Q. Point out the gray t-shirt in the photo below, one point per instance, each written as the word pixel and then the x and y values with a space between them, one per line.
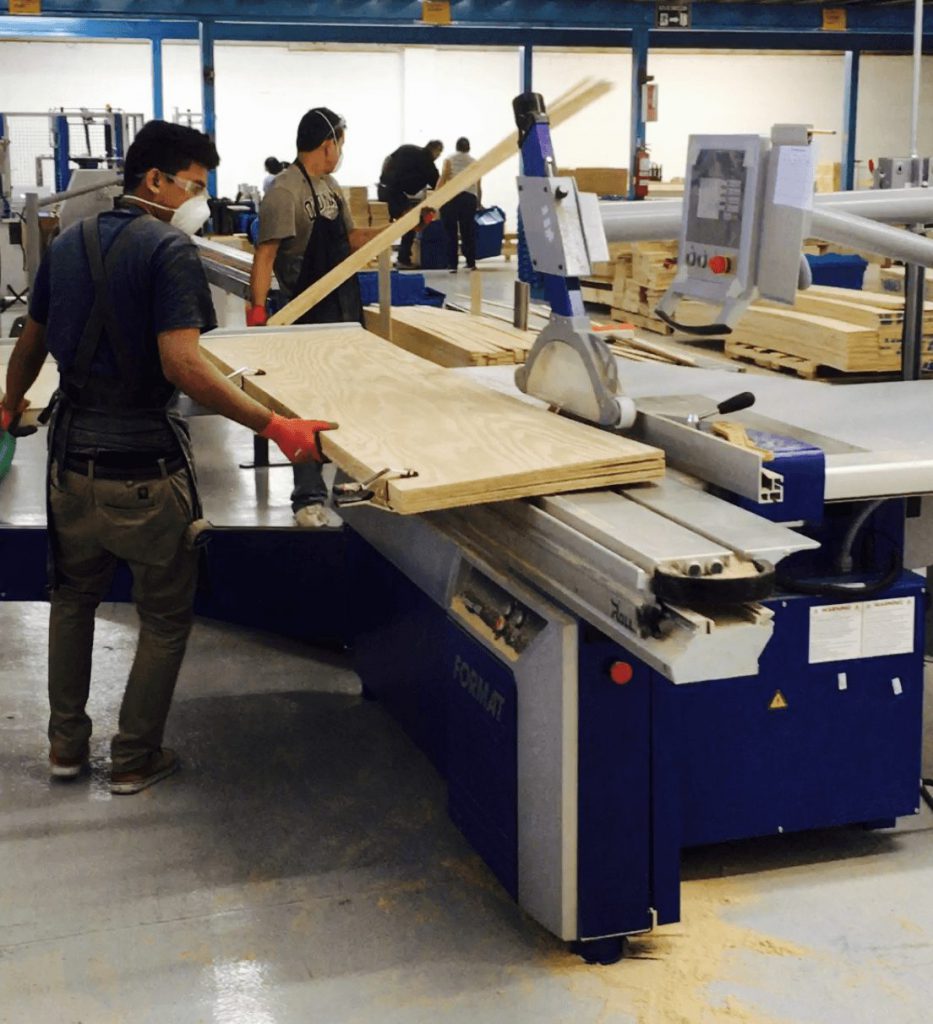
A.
pixel 287 214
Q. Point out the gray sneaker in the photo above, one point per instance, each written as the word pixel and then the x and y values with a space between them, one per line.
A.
pixel 317 517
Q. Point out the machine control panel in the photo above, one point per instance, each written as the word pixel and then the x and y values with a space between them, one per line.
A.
pixel 498 616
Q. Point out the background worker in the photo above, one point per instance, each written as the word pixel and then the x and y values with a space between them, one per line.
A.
pixel 273 167
pixel 459 215
pixel 305 230
pixel 120 301
pixel 406 174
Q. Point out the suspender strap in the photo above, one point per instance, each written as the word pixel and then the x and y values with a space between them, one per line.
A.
pixel 103 317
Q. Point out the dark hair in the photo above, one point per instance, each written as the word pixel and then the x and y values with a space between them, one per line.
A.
pixel 273 165
pixel 170 148
pixel 435 144
pixel 317 126
pixel 463 144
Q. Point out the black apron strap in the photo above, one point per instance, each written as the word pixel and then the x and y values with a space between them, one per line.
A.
pixel 103 317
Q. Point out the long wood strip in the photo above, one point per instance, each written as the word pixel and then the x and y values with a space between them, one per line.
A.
pixel 579 97
pixel 468 443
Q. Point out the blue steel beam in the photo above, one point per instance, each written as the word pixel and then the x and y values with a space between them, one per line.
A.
pixel 206 42
pixel 637 127
pixel 157 79
pixel 564 14
pixel 849 119
pixel 94 28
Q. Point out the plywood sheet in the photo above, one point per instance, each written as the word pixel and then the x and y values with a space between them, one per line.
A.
pixel 468 444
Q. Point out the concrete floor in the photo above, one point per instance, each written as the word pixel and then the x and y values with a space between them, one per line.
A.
pixel 302 868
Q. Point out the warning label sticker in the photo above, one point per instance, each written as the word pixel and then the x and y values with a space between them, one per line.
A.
pixel 861 629
pixel 778 702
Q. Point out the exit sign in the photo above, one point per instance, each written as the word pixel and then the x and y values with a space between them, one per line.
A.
pixel 673 15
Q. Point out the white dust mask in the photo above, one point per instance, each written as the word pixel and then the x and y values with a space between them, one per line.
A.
pixel 191 215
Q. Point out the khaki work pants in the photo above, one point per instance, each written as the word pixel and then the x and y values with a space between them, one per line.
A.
pixel 96 523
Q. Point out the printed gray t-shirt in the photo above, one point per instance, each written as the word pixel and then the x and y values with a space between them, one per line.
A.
pixel 287 214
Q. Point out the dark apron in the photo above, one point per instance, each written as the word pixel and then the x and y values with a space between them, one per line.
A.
pixel 328 246
pixel 129 398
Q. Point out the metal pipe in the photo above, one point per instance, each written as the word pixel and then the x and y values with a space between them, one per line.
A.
pixel 847 229
pixel 891 205
pixel 72 193
pixel 520 312
pixel 33 242
pixel 912 333
pixel 918 57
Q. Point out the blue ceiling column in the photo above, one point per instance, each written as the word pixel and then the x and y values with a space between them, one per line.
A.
pixel 849 118
pixel 156 45
pixel 208 94
pixel 637 127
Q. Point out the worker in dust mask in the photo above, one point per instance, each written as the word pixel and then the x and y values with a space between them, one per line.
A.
pixel 305 230
pixel 120 301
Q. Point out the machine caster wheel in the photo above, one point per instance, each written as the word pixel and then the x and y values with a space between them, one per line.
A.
pixel 600 951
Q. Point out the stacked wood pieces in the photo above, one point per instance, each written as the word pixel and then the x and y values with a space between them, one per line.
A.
pixel 378 215
pixel 357 198
pixel 450 338
pixel 607 278
pixel 467 443
pixel 892 280
pixel 651 270
pixel 839 328
pixel 604 181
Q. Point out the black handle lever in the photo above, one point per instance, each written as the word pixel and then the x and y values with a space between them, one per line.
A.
pixel 736 403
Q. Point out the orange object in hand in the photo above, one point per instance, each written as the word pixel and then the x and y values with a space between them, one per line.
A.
pixel 299 440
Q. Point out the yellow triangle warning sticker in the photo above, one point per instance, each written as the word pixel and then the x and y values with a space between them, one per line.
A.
pixel 778 702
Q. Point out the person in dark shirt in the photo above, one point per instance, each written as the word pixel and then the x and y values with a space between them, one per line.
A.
pixel 406 174
pixel 120 301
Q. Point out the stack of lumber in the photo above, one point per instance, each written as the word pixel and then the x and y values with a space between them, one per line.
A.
pixel 892 280
pixel 467 443
pixel 828 177
pixel 608 277
pixel 233 241
pixel 840 328
pixel 634 298
pixel 357 197
pixel 604 181
pixel 378 215
pixel 449 338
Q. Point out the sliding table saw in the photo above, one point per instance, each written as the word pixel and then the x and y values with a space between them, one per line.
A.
pixel 606 678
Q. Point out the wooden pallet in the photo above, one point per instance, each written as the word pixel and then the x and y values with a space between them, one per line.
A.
pixel 769 359
pixel 646 323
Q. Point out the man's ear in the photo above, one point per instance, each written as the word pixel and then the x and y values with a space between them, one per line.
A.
pixel 153 179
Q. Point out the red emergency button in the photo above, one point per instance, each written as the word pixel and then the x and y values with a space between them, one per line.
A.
pixel 621 672
pixel 720 264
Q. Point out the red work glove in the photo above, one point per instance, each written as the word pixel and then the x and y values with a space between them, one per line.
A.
pixel 298 439
pixel 256 316
pixel 9 416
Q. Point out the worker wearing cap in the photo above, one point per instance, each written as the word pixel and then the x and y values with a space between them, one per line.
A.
pixel 305 230
pixel 120 301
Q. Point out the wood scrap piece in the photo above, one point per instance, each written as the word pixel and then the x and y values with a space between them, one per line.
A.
pixel 576 99
pixel 452 339
pixel 468 443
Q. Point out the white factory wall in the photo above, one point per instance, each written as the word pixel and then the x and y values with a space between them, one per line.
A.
pixel 413 94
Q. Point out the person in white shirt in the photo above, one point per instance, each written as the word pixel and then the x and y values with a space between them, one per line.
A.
pixel 458 215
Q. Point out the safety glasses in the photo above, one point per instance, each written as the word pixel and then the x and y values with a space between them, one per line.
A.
pixel 193 188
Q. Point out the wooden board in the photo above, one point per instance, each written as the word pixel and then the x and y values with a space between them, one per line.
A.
pixel 468 443
pixel 449 338
pixel 572 102
pixel 39 395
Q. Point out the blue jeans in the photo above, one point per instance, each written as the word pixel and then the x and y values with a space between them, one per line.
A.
pixel 310 488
